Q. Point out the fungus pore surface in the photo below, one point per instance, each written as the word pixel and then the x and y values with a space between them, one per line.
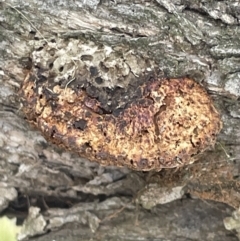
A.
pixel 167 126
pixel 100 102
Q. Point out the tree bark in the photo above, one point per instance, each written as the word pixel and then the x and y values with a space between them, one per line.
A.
pixel 196 39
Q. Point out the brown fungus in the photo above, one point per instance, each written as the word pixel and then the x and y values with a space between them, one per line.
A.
pixel 98 101
pixel 170 123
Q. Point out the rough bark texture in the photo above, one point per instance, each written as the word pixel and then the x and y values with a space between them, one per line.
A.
pixel 196 39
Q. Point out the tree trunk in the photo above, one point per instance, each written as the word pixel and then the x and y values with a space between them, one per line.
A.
pixel 196 39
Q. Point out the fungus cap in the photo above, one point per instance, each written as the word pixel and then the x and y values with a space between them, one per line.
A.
pixel 167 126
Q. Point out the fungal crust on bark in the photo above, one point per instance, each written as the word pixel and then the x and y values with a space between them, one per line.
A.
pixel 167 126
pixel 74 94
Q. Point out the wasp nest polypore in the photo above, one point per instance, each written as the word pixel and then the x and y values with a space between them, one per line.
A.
pixel 167 125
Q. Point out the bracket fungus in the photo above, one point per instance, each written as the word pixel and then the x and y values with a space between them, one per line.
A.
pixel 166 125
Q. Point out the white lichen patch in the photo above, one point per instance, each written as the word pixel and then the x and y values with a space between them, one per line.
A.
pixel 233 223
pixel 154 195
pixel 101 65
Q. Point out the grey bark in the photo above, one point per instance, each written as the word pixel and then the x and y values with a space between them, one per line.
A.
pixel 198 39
